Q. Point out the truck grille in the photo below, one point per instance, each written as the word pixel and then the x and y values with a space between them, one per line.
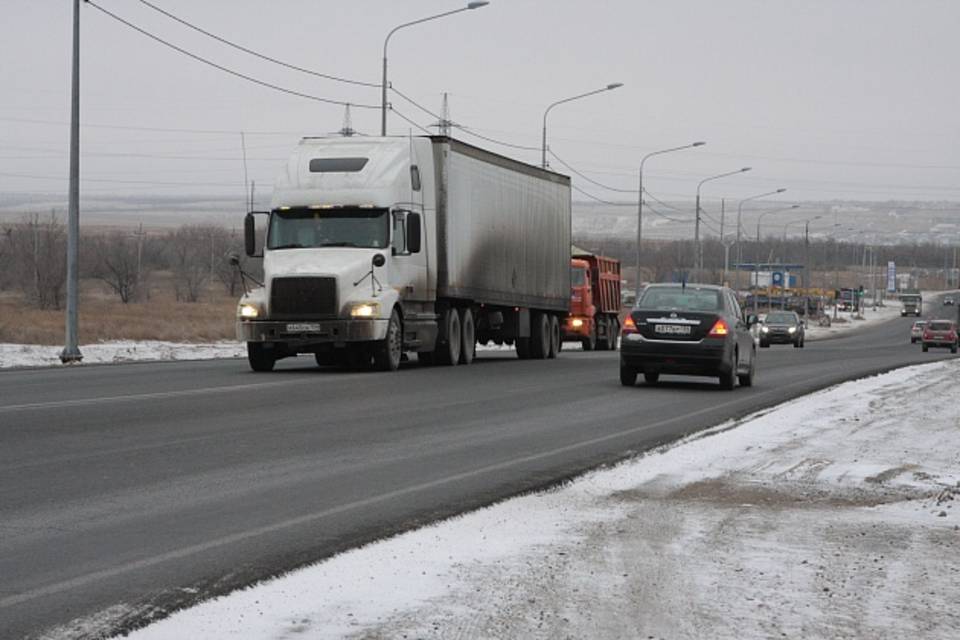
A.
pixel 303 298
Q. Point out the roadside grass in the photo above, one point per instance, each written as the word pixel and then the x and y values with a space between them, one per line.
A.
pixel 103 317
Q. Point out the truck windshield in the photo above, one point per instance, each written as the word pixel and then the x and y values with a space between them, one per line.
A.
pixel 578 277
pixel 340 227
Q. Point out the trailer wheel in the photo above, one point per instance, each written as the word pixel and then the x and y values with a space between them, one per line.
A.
pixel 540 336
pixel 554 337
pixel 388 352
pixel 259 357
pixel 468 337
pixel 449 352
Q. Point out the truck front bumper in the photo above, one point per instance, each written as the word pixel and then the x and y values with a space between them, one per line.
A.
pixel 312 331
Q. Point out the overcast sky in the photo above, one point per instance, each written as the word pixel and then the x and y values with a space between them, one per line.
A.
pixel 833 99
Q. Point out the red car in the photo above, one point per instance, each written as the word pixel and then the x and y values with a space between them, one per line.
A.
pixel 940 333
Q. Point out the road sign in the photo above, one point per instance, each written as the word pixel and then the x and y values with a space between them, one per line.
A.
pixel 777 279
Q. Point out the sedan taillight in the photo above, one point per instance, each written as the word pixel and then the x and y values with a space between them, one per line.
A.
pixel 720 328
pixel 629 326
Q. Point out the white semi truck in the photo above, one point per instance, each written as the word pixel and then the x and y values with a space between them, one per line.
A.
pixel 376 247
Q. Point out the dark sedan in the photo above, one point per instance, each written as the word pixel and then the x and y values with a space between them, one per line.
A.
pixel 687 329
pixel 782 327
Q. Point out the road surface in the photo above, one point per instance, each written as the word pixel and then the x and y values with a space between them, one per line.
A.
pixel 133 489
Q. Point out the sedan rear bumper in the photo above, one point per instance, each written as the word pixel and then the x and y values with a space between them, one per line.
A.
pixel 708 357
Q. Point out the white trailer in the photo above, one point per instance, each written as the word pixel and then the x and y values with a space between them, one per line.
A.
pixel 379 246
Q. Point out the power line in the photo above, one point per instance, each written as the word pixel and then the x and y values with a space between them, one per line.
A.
pixel 471 132
pixel 255 53
pixel 225 69
pixel 414 103
pixel 418 126
pixel 590 180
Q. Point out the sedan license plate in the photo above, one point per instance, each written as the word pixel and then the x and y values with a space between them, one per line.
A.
pixel 674 329
pixel 304 327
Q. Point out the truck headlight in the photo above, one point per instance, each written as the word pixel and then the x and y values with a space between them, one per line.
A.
pixel 365 310
pixel 792 330
pixel 249 311
pixel 576 323
pixel 765 329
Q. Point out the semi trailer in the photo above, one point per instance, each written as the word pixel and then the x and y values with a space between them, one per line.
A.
pixel 379 247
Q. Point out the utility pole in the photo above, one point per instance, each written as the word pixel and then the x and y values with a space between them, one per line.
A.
pixel 71 352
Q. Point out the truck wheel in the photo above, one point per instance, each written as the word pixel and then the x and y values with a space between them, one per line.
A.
pixel 449 353
pixel 554 336
pixel 614 334
pixel 602 335
pixel 388 352
pixel 260 358
pixel 540 336
pixel 468 337
pixel 590 342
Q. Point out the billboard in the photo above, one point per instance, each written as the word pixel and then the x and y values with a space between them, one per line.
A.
pixel 891 277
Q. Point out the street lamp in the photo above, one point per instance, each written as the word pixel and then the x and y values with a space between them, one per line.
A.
pixel 696 232
pixel 383 86
pixel 609 87
pixel 640 203
pixel 739 227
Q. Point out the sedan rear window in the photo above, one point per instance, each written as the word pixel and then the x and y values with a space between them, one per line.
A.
pixel 681 299
pixel 940 326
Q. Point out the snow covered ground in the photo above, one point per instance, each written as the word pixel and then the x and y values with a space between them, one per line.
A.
pixel 829 516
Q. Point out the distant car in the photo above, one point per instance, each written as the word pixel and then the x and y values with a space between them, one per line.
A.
pixel 940 333
pixel 782 327
pixel 948 301
pixel 916 331
pixel 687 329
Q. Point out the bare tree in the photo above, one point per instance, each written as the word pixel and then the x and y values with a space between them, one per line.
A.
pixel 119 264
pixel 189 255
pixel 37 251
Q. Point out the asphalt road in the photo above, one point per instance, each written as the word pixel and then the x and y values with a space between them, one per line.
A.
pixel 132 489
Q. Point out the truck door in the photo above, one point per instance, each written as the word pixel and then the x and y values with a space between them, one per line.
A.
pixel 408 270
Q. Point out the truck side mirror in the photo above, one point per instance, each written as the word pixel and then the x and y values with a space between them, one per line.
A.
pixel 250 235
pixel 413 232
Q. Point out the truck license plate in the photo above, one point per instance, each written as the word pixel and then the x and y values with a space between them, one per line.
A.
pixel 678 329
pixel 303 327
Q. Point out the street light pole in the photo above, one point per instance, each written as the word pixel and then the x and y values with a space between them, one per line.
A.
pixel 383 84
pixel 640 202
pixel 71 352
pixel 609 87
pixel 740 227
pixel 698 262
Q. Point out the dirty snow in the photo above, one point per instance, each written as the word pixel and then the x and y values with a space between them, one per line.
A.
pixel 829 516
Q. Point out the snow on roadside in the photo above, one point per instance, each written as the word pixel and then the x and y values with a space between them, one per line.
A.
pixel 32 355
pixel 829 516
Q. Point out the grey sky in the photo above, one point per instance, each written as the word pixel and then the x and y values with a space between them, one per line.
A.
pixel 840 99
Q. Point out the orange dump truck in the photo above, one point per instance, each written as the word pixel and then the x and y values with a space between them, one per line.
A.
pixel 594 319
